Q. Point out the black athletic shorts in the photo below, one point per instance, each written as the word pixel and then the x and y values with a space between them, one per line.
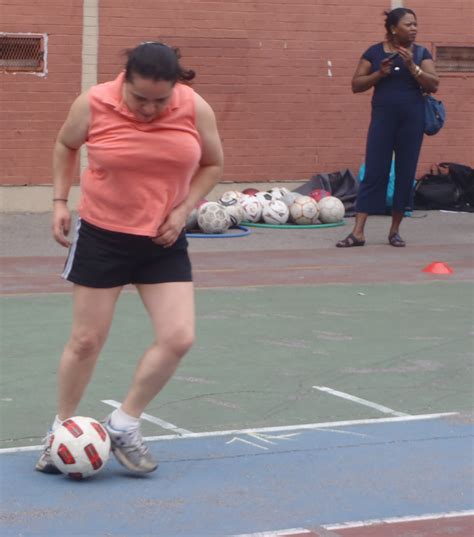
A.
pixel 101 258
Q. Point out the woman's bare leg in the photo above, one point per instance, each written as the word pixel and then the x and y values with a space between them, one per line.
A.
pixel 171 309
pixel 93 310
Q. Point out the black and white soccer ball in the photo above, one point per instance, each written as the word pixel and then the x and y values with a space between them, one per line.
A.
pixel 275 212
pixel 213 218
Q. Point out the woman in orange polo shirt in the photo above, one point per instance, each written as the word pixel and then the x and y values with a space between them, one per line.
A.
pixel 153 152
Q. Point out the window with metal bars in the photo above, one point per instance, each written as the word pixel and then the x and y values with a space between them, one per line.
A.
pixel 22 53
pixel 456 59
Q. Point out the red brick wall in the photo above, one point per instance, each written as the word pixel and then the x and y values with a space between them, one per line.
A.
pixel 449 23
pixel 262 65
pixel 33 107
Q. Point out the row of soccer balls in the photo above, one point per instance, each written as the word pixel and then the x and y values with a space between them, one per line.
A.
pixel 277 206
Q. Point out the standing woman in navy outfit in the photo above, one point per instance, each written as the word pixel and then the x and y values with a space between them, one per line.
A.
pixel 397 121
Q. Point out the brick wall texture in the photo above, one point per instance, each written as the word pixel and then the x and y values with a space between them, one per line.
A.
pixel 262 65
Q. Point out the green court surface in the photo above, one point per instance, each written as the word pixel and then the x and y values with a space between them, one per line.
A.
pixel 259 353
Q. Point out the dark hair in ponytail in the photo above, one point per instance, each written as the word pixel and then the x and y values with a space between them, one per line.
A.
pixel 392 18
pixel 156 61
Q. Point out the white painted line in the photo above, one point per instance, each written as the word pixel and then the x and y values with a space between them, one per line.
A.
pixel 277 533
pixel 147 417
pixel 302 427
pixel 307 426
pixel 355 399
pixel 398 520
pixel 235 439
pixel 361 524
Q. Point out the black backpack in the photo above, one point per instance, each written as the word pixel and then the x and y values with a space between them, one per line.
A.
pixel 449 186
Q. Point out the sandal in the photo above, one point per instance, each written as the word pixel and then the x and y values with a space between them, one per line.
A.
pixel 350 241
pixel 396 240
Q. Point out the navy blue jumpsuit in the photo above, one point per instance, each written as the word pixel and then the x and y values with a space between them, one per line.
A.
pixel 396 126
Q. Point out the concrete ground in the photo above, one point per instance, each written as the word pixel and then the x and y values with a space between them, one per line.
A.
pixel 28 234
pixel 295 336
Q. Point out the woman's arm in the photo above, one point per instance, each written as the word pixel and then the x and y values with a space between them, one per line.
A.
pixel 207 175
pixel 427 78
pixel 363 79
pixel 212 159
pixel 72 135
pixel 425 74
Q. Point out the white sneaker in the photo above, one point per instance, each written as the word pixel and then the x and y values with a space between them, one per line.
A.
pixel 130 450
pixel 45 463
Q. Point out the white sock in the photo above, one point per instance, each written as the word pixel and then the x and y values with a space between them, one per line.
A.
pixel 56 423
pixel 123 421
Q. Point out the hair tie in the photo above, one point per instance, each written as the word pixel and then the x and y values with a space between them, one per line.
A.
pixel 160 43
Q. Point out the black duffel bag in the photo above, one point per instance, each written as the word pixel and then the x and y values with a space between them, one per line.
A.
pixel 449 186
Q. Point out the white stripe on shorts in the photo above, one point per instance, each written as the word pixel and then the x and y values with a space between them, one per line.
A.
pixel 72 251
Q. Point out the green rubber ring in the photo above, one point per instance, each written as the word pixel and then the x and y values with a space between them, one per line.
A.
pixel 294 226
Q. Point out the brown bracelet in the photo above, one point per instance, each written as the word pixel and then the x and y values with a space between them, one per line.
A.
pixel 60 199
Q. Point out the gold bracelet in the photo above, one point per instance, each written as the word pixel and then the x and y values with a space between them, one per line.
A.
pixel 418 71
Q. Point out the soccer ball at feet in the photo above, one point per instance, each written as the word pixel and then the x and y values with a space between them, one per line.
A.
pixel 80 447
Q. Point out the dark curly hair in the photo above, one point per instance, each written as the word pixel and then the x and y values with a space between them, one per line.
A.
pixel 156 61
pixel 392 18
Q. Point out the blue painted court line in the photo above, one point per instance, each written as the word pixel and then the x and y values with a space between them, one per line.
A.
pixel 213 486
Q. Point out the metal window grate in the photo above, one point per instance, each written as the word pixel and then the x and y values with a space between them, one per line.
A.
pixel 455 59
pixel 21 53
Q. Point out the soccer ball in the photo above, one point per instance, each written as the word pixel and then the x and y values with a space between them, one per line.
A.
pixel 263 197
pixel 304 210
pixel 318 194
pixel 250 191
pixel 231 197
pixel 252 209
pixel 276 193
pixel 275 212
pixel 236 214
pixel 213 218
pixel 289 197
pixel 331 209
pixel 80 447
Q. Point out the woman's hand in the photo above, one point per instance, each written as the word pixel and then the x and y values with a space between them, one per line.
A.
pixel 385 67
pixel 407 56
pixel 171 228
pixel 61 223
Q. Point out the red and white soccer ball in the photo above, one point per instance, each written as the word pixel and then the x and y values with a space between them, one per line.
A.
pixel 318 194
pixel 252 208
pixel 331 210
pixel 80 447
pixel 304 211
pixel 250 191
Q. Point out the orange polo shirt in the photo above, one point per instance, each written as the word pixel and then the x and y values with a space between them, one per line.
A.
pixel 137 172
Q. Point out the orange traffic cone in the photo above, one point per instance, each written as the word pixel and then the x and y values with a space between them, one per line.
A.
pixel 438 267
